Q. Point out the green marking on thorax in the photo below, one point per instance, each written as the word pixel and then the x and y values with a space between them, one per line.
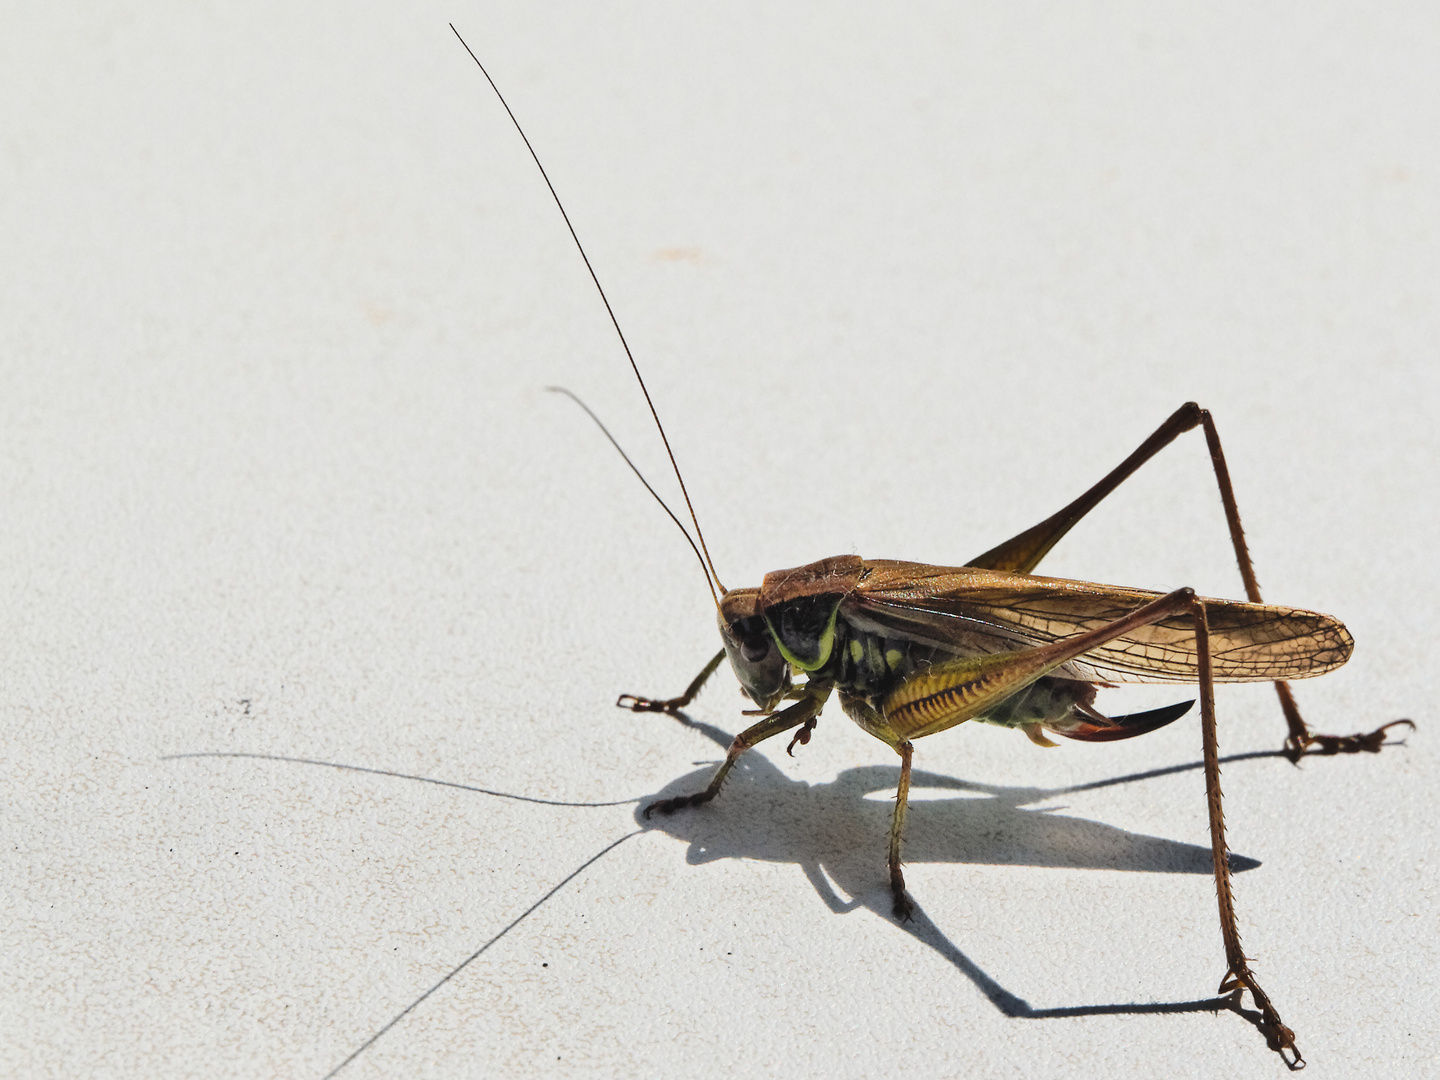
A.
pixel 827 643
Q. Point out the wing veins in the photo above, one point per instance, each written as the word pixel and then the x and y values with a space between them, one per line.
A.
pixel 961 608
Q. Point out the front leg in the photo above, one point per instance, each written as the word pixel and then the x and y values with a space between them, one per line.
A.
pixel 803 711
pixel 674 704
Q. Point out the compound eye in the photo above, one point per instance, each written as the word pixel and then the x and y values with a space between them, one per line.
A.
pixel 755 649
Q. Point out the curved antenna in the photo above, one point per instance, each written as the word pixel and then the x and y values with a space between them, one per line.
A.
pixel 663 505
pixel 707 562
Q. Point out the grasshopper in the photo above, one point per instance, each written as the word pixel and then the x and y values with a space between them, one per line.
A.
pixel 913 649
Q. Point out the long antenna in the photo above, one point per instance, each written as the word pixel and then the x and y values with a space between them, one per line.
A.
pixel 641 476
pixel 706 561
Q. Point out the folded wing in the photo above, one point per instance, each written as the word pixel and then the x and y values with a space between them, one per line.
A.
pixel 969 612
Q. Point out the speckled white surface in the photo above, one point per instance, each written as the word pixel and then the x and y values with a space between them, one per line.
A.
pixel 279 294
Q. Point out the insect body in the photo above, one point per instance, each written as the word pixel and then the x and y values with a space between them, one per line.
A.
pixel 912 650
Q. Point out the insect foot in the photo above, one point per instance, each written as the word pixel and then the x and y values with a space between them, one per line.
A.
pixel 674 704
pixel 904 908
pixel 645 704
pixel 1343 744
pixel 1278 1037
pixel 669 806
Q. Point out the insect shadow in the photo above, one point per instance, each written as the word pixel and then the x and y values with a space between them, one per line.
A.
pixel 815 826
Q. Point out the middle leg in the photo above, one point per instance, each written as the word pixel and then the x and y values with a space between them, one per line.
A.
pixel 904 906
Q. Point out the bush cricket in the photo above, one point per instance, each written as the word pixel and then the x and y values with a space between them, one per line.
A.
pixel 913 649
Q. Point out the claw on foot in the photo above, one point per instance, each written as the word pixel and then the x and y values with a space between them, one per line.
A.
pixel 1342 744
pixel 1278 1037
pixel 645 704
pixel 669 806
pixel 904 909
pixel 802 736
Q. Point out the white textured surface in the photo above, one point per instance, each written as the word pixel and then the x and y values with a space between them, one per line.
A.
pixel 278 295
